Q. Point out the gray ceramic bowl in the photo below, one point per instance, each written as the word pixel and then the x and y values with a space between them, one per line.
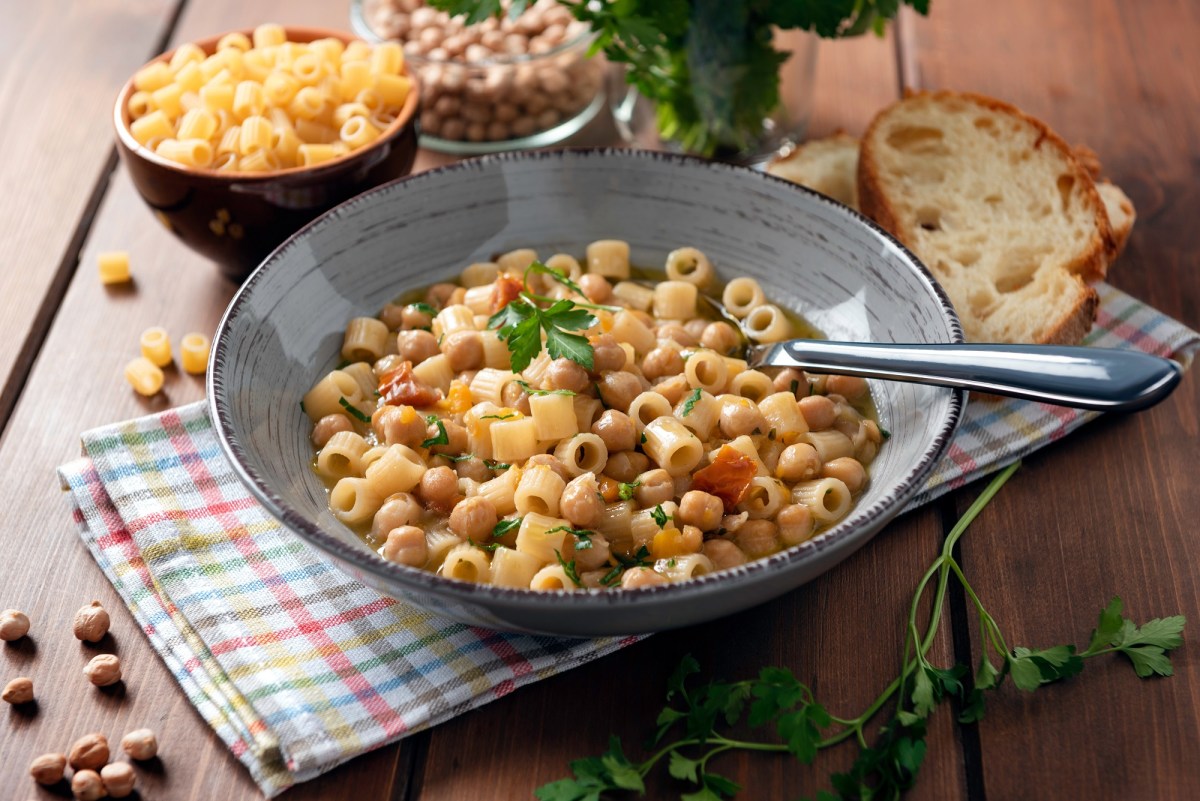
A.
pixel 284 329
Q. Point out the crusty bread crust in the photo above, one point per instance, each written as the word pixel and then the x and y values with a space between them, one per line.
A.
pixel 1077 303
pixel 827 165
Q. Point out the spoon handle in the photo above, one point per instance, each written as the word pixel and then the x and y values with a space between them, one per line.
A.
pixel 1101 379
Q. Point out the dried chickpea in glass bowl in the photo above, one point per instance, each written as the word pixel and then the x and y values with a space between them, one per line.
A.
pixel 500 84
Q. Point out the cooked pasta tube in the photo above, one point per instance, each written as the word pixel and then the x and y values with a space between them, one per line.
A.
pixel 691 265
pixel 702 417
pixel 741 296
pixel 706 369
pixel 674 300
pixel 435 371
pixel 616 524
pixel 512 568
pixel 586 411
pixel 480 275
pixel 399 469
pixel 478 299
pixel 353 501
pixel 751 384
pixel 438 543
pixel 609 258
pixel 541 536
pixel 324 398
pixel 830 444
pixel 647 407
pixel 342 455
pixel 495 351
pixel 554 416
pixel 488 385
pixel 764 498
pixel 783 415
pixel 552 577
pixel 465 562
pixel 671 446
pixel 767 323
pixel 643 526
pixel 682 568
pixel 539 490
pixel 453 318
pixel 828 499
pixel 516 261
pixel 627 327
pixel 582 453
pixel 634 295
pixel 514 440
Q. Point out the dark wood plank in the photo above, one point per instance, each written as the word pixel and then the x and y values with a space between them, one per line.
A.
pixel 1121 519
pixel 515 744
pixel 63 64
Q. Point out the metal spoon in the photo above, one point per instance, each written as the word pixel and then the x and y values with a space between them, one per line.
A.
pixel 1102 379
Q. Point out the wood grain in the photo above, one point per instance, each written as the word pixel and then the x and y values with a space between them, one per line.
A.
pixel 1121 519
pixel 58 79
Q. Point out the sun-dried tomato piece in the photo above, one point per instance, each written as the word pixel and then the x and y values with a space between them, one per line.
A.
pixel 398 387
pixel 728 477
pixel 505 289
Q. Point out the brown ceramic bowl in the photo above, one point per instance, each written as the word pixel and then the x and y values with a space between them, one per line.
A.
pixel 236 219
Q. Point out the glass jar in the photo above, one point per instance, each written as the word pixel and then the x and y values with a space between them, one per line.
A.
pixel 497 85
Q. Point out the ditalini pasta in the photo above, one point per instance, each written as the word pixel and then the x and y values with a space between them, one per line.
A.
pixel 263 103
pixel 563 426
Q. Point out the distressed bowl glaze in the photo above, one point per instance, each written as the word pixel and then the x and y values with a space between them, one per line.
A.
pixel 236 219
pixel 849 278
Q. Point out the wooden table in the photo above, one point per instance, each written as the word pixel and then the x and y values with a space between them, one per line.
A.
pixel 1110 510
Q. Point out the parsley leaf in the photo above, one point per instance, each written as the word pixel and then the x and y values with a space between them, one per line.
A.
pixel 424 308
pixel 692 399
pixel 354 411
pixel 497 417
pixel 490 547
pixel 560 276
pixel 505 526
pixel 531 391
pixel 660 516
pixel 442 437
pixel 520 327
pixel 521 323
pixel 626 491
pixel 583 537
pixel 568 568
pixel 462 457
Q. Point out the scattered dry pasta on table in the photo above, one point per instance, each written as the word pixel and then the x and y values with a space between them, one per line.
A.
pixel 264 103
pixel 560 425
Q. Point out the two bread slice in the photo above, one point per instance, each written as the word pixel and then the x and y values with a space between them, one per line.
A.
pixel 1004 213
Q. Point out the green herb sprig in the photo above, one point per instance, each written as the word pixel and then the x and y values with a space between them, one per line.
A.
pixel 692 399
pixel 802 727
pixel 442 437
pixel 354 411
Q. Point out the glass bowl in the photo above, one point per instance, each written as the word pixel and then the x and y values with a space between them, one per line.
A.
pixel 510 101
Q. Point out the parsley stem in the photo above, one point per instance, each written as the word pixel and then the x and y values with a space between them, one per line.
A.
pixel 533 297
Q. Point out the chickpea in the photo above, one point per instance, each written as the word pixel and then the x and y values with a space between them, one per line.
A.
pixel 392 314
pixel 791 380
pixel 439 488
pixel 720 337
pixel 595 287
pixel 676 332
pixel 103 670
pixel 618 389
pixel 702 510
pixel 723 554
pixel 551 461
pixel 696 327
pixel 416 346
pixel 456 434
pixel 607 353
pixel 14 624
pixel 739 418
pixel 565 374
pixel 454 129
pixel 474 518
pixel 691 539
pixel 329 425
pixel 819 411
pixel 637 577
pixel 523 126
pixel 464 350
pixel 594 557
pixel 673 388
pixel 472 468
pixel 662 362
pixel 795 524
pixel 86 785
pixel 398 510
pixel 625 466
pixel 91 622
pixel 88 752
pixel 48 768
pixel 406 546
pixel 118 778
pixel 848 470
pixel 514 397
pixel 476 132
pixel 616 429
pixel 656 487
pixel 18 691
pixel 758 538
pixel 581 503
pixel 437 295
pixel 140 744
pixel 411 317
pixel 497 131
pixel 393 425
pixel 798 462
pixel 851 387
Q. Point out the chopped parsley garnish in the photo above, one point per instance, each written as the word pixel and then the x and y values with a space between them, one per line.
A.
pixel 559 276
pixel 583 537
pixel 521 323
pixel 490 547
pixel 531 391
pixel 795 385
pixel 771 435
pixel 344 363
pixel 442 437
pixel 569 569
pixel 302 407
pixel 505 526
pixel 424 308
pixel 643 437
pixel 883 432
pixel 497 417
pixel 671 562
pixel 462 457
pixel 660 516
pixel 492 464
pixel 626 490
pixel 691 401
pixel 354 412
pixel 639 559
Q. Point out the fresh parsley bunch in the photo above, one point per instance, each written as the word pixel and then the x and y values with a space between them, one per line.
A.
pixel 701 716
pixel 710 66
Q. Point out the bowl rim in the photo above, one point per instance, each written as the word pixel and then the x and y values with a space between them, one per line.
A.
pixel 358 21
pixel 121 119
pixel 861 519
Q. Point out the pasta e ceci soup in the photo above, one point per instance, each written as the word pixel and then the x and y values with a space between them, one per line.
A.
pixel 558 426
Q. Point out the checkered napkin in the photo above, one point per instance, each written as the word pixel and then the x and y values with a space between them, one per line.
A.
pixel 296 666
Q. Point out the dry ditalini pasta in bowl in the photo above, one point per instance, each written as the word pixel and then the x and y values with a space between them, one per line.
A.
pixel 513 391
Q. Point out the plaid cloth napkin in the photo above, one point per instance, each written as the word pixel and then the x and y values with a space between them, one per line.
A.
pixel 297 667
